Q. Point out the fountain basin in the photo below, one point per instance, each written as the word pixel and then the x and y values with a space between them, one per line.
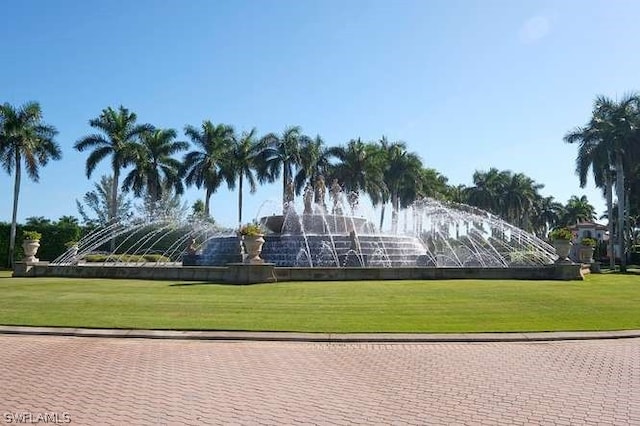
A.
pixel 293 223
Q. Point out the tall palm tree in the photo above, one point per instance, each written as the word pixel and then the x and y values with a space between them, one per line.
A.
pixel 594 153
pixel 359 168
pixel 118 139
pixel 400 176
pixel 457 194
pixel 154 168
pixel 243 163
pixel 24 137
pixel 578 210
pixel 547 214
pixel 205 166
pixel 615 125
pixel 400 169
pixel 487 190
pixel 315 160
pixel 519 199
pixel 280 154
pixel 432 184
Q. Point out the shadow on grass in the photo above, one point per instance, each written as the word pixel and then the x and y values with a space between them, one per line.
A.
pixel 632 271
pixel 211 284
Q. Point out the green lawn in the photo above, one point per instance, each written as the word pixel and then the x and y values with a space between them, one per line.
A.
pixel 601 302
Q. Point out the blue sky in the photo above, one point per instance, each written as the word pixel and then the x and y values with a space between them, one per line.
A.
pixel 468 85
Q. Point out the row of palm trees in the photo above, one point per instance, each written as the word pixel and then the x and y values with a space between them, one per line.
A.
pixel 515 198
pixel 609 146
pixel 384 170
pixel 152 162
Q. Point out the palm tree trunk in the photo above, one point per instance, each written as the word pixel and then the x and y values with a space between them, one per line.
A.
pixel 627 221
pixel 14 217
pixel 114 195
pixel 620 196
pixel 240 200
pixel 284 185
pixel 114 201
pixel 382 215
pixel 609 195
pixel 207 197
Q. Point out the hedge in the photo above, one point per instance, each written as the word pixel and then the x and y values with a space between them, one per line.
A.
pixel 132 258
pixel 52 244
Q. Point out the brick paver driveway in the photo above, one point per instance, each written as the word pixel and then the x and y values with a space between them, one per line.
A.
pixel 136 381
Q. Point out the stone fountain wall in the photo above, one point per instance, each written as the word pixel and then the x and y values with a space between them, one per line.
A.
pixel 321 251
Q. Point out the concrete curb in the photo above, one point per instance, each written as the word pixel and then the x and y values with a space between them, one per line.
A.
pixel 320 337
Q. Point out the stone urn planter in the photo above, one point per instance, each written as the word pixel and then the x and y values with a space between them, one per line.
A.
pixel 30 245
pixel 561 241
pixel 586 249
pixel 251 235
pixel 253 248
pixel 563 247
pixel 586 254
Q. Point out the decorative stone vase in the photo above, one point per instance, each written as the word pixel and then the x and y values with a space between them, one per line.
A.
pixel 563 247
pixel 253 248
pixel 30 248
pixel 586 254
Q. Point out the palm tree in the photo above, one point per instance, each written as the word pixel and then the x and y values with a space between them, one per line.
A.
pixel 24 137
pixel 401 173
pixel 119 139
pixel 615 126
pixel 519 198
pixel 243 163
pixel 280 154
pixel 155 170
pixel 487 190
pixel 594 153
pixel 359 168
pixel 547 214
pixel 400 170
pixel 578 210
pixel 314 161
pixel 432 184
pixel 206 165
pixel 457 194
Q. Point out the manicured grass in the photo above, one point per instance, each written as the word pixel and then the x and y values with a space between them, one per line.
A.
pixel 601 302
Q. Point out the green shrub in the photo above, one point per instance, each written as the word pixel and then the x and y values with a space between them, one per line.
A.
pixel 31 235
pixel 126 258
pixel 590 242
pixel 156 258
pixel 561 234
pixel 251 230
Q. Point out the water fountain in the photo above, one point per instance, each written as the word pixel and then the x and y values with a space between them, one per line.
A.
pixel 436 236
pixel 439 235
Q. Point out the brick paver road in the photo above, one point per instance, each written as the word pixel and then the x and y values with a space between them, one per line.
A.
pixel 135 381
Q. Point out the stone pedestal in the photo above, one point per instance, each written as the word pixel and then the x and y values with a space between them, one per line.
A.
pixel 566 271
pixel 247 273
pixel 30 269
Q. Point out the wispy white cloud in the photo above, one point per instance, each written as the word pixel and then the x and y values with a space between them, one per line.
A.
pixel 534 29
